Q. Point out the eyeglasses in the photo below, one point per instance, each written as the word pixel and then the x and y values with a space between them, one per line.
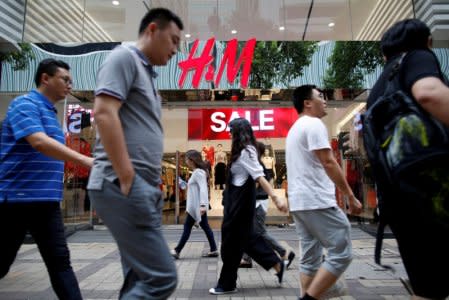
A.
pixel 67 80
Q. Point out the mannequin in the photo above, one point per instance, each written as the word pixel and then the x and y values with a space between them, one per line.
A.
pixel 204 157
pixel 270 165
pixel 220 167
pixel 210 152
pixel 75 174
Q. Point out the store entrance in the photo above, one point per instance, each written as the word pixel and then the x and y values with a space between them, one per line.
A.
pixel 175 175
pixel 174 178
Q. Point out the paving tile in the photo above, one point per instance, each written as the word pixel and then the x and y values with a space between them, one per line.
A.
pixel 96 261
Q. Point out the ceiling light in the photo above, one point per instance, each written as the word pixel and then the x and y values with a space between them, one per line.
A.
pixel 115 2
pixel 187 35
pixel 281 28
pixel 331 24
pixel 233 31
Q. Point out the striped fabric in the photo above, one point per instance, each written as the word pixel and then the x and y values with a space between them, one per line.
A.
pixel 85 67
pixel 26 174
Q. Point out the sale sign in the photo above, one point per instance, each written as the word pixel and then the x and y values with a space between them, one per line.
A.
pixel 213 124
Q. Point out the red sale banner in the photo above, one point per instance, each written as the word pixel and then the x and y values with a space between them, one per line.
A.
pixel 212 124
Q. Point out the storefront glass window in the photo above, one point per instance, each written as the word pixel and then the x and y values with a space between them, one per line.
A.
pixel 79 136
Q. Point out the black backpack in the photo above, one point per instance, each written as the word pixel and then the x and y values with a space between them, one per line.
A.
pixel 402 142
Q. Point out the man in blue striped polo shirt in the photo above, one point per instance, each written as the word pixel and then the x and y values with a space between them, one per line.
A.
pixel 31 173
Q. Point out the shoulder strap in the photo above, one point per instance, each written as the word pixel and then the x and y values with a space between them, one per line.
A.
pixel 379 239
pixel 393 81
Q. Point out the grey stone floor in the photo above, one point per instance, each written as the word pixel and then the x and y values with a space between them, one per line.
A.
pixel 95 259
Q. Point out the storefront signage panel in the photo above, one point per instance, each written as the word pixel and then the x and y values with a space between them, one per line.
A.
pixel 212 124
pixel 202 64
pixel 77 118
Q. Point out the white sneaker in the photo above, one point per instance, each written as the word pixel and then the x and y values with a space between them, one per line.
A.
pixel 220 291
pixel 339 289
pixel 174 253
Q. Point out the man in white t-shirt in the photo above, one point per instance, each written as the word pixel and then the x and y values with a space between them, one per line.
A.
pixel 313 173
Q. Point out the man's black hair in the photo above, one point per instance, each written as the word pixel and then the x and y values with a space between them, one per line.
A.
pixel 404 36
pixel 48 66
pixel 162 17
pixel 301 93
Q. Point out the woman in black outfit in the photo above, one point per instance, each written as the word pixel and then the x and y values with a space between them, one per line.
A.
pixel 259 220
pixel 239 200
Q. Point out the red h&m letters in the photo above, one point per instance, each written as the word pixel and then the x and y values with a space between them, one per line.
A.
pixel 199 64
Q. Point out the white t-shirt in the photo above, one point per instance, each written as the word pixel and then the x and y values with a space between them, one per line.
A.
pixel 246 165
pixel 309 187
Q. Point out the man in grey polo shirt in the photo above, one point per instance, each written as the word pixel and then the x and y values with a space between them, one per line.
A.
pixel 123 184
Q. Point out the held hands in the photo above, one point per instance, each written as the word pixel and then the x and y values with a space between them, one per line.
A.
pixel 280 203
pixel 88 162
pixel 355 207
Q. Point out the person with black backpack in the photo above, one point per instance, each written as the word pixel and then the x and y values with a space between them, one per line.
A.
pixel 406 138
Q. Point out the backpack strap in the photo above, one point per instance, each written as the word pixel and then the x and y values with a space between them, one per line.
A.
pixel 393 82
pixel 379 238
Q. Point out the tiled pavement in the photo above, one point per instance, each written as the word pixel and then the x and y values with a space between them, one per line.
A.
pixel 96 261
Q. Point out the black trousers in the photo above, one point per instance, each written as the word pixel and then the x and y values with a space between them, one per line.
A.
pixel 44 222
pixel 417 211
pixel 204 224
pixel 238 235
pixel 231 253
pixel 423 245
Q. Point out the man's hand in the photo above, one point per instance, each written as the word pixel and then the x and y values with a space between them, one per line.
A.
pixel 88 161
pixel 106 112
pixel 281 204
pixel 126 182
pixel 203 210
pixel 355 207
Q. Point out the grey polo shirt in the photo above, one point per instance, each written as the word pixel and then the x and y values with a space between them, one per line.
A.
pixel 127 75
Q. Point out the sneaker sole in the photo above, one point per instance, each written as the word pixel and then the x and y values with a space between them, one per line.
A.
pixel 213 292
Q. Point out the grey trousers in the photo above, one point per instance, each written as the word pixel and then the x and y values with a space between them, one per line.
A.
pixel 261 229
pixel 135 222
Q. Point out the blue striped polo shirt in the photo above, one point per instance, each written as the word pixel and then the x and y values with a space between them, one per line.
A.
pixel 26 175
